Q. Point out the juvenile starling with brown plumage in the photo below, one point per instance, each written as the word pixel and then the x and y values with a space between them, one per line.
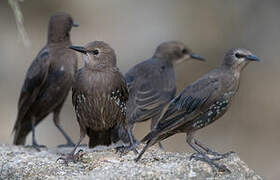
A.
pixel 152 84
pixel 47 82
pixel 99 95
pixel 200 104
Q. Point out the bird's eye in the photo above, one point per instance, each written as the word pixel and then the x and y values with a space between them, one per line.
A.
pixel 95 52
pixel 184 51
pixel 238 55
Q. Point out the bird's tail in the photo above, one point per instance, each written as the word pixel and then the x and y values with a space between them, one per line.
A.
pixel 99 137
pixel 21 130
pixel 119 133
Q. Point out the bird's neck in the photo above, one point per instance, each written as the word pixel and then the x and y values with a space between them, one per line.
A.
pixel 163 58
pixel 55 37
pixel 54 44
pixel 99 67
pixel 234 71
pixel 165 62
pixel 232 78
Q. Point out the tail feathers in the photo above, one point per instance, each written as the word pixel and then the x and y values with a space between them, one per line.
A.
pixel 99 138
pixel 21 131
pixel 119 133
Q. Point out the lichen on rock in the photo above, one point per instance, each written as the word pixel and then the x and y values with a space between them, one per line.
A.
pixel 17 162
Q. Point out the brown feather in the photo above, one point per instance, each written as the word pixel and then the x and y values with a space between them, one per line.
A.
pixel 99 95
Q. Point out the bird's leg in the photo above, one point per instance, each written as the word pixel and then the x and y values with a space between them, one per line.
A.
pixel 34 142
pixel 133 143
pixel 149 144
pixel 143 151
pixel 201 156
pixel 217 155
pixel 72 156
pixel 57 124
pixel 153 123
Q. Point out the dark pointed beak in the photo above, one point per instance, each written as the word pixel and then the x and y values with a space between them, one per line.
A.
pixel 252 58
pixel 197 56
pixel 79 49
pixel 75 24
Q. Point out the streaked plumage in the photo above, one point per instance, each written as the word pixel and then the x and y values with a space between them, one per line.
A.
pixel 200 104
pixel 48 81
pixel 99 95
pixel 99 98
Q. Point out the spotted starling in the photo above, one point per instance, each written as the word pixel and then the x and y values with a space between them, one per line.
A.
pixel 47 82
pixel 152 84
pixel 200 104
pixel 99 95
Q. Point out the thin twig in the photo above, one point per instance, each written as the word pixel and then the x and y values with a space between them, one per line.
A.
pixel 19 21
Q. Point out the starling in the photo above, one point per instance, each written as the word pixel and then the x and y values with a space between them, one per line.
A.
pixel 200 104
pixel 99 95
pixel 152 84
pixel 47 82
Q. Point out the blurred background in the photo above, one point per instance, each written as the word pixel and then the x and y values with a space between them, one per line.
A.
pixel 134 29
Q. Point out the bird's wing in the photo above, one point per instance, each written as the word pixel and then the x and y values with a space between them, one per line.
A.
pixel 76 91
pixel 149 95
pixel 190 103
pixel 35 78
pixel 119 91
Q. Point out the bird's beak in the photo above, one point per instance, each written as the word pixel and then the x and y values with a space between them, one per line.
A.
pixel 79 49
pixel 252 58
pixel 74 24
pixel 197 56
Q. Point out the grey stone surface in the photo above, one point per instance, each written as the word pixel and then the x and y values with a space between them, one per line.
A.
pixel 104 163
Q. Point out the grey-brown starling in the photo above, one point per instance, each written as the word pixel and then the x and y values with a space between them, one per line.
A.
pixel 200 104
pixel 47 82
pixel 99 95
pixel 152 84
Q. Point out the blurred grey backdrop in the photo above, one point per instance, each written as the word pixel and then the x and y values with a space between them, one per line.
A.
pixel 134 29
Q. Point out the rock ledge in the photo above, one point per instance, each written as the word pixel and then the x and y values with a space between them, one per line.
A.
pixel 26 163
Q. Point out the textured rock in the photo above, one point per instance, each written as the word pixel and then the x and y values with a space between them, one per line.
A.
pixel 101 163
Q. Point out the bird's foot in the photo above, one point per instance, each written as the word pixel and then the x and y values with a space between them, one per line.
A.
pixel 215 166
pixel 219 156
pixel 70 145
pixel 123 150
pixel 36 146
pixel 71 157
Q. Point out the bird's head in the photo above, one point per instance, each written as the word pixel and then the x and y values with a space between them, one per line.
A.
pixel 97 53
pixel 60 25
pixel 175 52
pixel 238 58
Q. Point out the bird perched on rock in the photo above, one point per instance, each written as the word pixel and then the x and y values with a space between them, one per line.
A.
pixel 152 84
pixel 47 82
pixel 99 94
pixel 200 104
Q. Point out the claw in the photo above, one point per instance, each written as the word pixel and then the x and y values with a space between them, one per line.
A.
pixel 65 161
pixel 126 149
pixel 36 146
pixel 219 156
pixel 70 145
pixel 193 156
pixel 123 150
pixel 71 157
pixel 204 158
